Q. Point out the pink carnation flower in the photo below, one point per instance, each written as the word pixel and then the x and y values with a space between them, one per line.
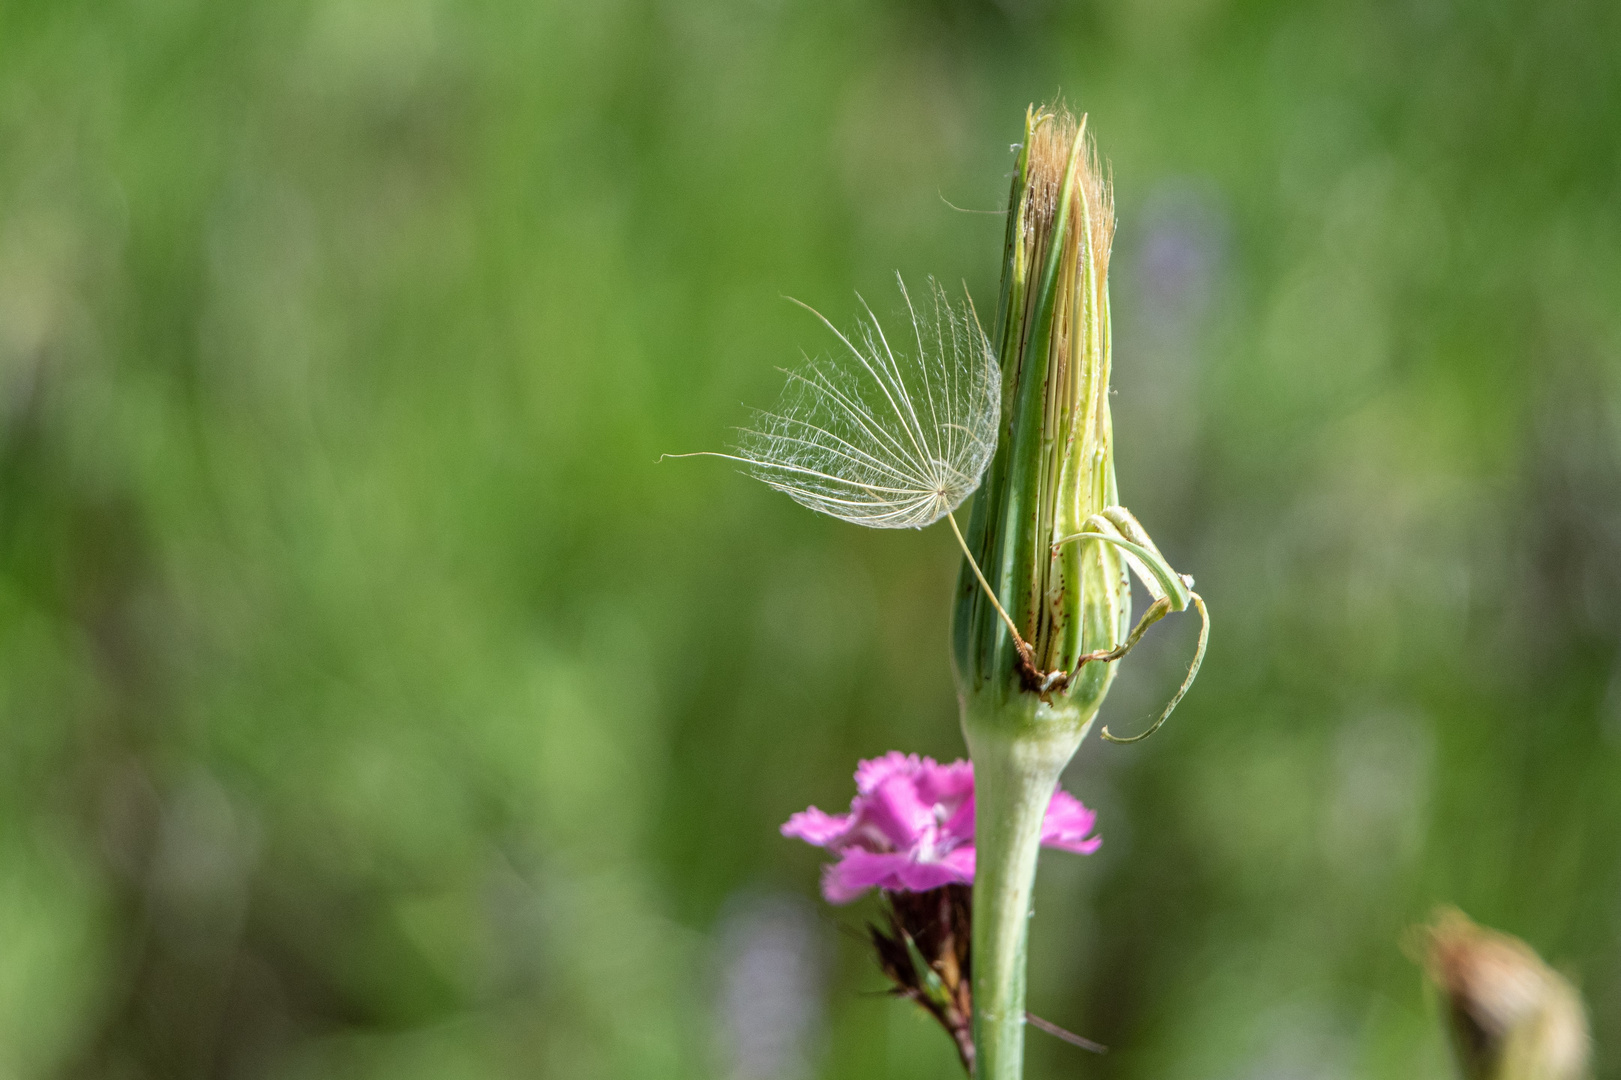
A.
pixel 911 828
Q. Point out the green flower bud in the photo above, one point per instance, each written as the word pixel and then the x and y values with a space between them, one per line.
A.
pixel 1054 463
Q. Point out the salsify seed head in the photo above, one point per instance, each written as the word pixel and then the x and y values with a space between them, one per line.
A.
pixel 896 430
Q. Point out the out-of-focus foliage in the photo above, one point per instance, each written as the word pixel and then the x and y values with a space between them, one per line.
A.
pixel 372 704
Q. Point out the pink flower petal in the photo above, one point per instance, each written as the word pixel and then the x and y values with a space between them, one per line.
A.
pixel 859 871
pixel 815 827
pixel 923 876
pixel 895 811
pixel 959 827
pixel 869 774
pixel 961 863
pixel 1066 824
pixel 945 784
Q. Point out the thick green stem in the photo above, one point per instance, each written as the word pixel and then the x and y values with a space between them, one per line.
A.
pixel 1018 748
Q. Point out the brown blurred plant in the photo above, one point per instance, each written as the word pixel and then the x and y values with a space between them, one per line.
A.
pixel 1510 1016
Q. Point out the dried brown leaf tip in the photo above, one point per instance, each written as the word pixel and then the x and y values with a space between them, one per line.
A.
pixel 1512 1017
pixel 924 951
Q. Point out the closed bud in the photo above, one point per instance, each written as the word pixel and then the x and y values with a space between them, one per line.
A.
pixel 1054 464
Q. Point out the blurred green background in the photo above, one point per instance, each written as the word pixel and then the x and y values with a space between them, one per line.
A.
pixel 373 703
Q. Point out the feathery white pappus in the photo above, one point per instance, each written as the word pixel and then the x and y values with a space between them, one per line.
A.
pixel 888 435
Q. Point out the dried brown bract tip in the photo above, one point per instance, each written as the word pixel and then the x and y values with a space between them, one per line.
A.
pixel 1052 135
pixel 1053 138
pixel 1512 1017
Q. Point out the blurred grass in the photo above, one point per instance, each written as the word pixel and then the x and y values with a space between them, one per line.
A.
pixel 373 703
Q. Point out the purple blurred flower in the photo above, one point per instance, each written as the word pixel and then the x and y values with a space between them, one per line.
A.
pixel 911 828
